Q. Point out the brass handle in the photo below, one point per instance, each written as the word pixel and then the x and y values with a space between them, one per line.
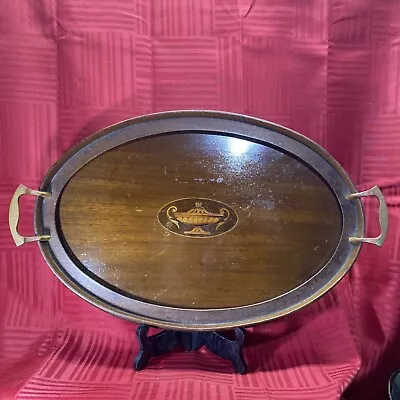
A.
pixel 13 216
pixel 383 216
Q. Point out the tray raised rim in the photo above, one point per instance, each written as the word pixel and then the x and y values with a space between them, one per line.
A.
pixel 198 319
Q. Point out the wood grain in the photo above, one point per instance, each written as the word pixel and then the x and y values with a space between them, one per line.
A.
pixel 289 221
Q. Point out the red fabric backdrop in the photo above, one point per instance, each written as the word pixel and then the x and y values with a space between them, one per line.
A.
pixel 329 69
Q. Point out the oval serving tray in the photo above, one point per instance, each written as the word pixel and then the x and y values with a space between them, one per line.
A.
pixel 198 220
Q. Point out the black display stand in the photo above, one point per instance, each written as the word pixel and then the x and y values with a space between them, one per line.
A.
pixel 165 341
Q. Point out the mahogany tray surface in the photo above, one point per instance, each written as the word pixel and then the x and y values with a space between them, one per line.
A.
pixel 198 220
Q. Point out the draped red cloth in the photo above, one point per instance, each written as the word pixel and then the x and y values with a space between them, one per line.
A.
pixel 329 69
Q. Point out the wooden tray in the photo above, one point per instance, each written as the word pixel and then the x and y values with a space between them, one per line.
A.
pixel 198 220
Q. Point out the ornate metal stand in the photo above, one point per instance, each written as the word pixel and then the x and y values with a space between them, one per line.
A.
pixel 165 341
